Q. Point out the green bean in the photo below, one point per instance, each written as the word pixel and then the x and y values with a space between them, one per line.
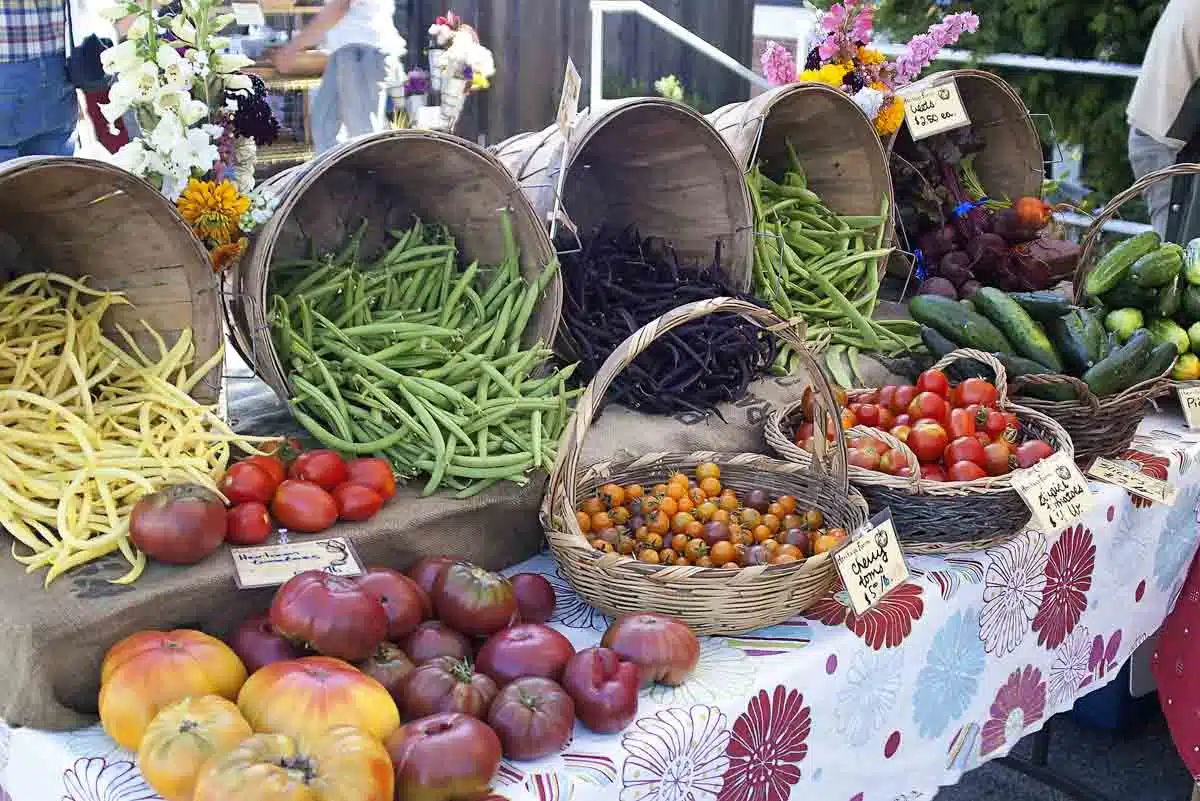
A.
pixel 330 440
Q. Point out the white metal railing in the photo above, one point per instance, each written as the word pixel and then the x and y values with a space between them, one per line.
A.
pixel 667 25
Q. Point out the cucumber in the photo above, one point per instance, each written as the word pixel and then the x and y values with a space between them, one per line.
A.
pixel 1170 297
pixel 1118 372
pixel 1158 267
pixel 962 369
pixel 1128 295
pixel 1026 334
pixel 1115 265
pixel 1191 303
pixel 1094 334
pixel 1071 337
pixel 1160 360
pixel 1018 365
pixel 960 325
pixel 937 344
pixel 1044 307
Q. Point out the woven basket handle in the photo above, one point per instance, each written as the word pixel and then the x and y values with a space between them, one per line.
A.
pixel 966 354
pixel 570 447
pixel 1054 380
pixel 1091 237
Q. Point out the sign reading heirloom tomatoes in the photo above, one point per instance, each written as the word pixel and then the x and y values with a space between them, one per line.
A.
pixel 1137 482
pixel 871 565
pixel 272 565
pixel 1055 491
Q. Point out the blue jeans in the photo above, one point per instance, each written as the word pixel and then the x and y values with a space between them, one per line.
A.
pixel 38 108
pixel 351 95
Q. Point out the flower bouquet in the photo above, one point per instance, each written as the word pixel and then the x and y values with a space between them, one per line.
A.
pixel 202 120
pixel 462 65
pixel 842 56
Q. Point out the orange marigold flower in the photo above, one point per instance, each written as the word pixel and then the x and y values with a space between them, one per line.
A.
pixel 225 256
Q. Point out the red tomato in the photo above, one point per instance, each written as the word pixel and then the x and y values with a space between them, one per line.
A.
pixel 965 471
pixel 994 422
pixel 976 390
pixel 901 398
pixel 963 449
pixel 356 502
pixel 962 424
pixel 321 467
pixel 245 482
pixel 871 396
pixel 854 407
pixel 867 458
pixel 374 473
pixel 304 506
pixel 997 458
pixel 904 419
pixel 886 393
pixel 927 441
pixel 886 418
pixel 929 404
pixel 952 397
pixel 934 381
pixel 925 421
pixel 272 465
pixel 983 438
pixel 848 420
pixel 868 415
pixel 933 472
pixel 248 524
pixel 1031 452
pixel 900 432
pixel 891 462
pixel 286 450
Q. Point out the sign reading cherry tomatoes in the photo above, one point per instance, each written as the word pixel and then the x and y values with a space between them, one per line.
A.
pixel 871 565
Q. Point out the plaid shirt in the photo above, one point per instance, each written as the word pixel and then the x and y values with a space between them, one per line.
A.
pixel 31 29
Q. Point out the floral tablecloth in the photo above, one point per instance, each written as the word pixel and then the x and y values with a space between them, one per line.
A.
pixel 950 670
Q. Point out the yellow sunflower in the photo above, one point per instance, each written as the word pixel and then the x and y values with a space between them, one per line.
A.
pixel 832 74
pixel 213 210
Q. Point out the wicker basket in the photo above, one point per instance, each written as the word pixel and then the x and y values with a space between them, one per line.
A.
pixel 385 178
pixel 710 600
pixel 80 217
pixel 935 517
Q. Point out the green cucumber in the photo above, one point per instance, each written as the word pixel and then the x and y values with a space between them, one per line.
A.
pixel 1170 297
pixel 1026 334
pixel 960 325
pixel 1158 267
pixel 1015 366
pixel 1170 331
pixel 1128 295
pixel 1094 334
pixel 1160 360
pixel 1115 265
pixel 962 369
pixel 1191 303
pixel 1071 337
pixel 937 344
pixel 1118 372
pixel 1044 307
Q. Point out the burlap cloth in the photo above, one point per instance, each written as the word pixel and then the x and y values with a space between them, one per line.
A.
pixel 57 638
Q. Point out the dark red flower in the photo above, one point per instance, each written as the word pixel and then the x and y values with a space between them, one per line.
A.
pixel 1068 578
pixel 766 746
pixel 1150 465
pixel 884 625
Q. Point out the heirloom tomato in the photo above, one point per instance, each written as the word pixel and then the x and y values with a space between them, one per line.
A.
pixel 963 449
pixel 405 603
pixel 927 441
pixel 179 525
pixel 664 648
pixel 389 666
pixel 965 471
pixel 929 405
pixel 447 757
pixel 447 685
pixel 433 639
pixel 149 670
pixel 962 424
pixel 427 571
pixel 257 643
pixel 271 465
pixel 334 616
pixel 526 649
pixel 997 458
pixel 1031 452
pixel 976 390
pixel 867 415
pixel 474 601
pixel 248 524
pixel 604 689
pixel 902 398
pixel 306 697
pixel 356 503
pixel 185 735
pixel 321 467
pixel 535 597
pixel 533 717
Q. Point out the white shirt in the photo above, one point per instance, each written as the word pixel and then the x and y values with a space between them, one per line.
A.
pixel 1166 99
pixel 370 23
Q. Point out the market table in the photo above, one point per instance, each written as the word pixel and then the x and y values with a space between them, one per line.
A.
pixel 949 671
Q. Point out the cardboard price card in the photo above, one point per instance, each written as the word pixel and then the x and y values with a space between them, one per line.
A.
pixel 272 565
pixel 1135 481
pixel 1189 399
pixel 1055 491
pixel 930 110
pixel 568 104
pixel 871 565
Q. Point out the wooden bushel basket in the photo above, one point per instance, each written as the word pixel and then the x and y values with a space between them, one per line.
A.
pixel 81 217
pixel 647 162
pixel 385 179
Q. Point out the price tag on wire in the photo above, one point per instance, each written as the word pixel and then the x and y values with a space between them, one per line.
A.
pixel 1055 491
pixel 933 109
pixel 871 565
pixel 272 565
pixel 1152 489
pixel 1189 399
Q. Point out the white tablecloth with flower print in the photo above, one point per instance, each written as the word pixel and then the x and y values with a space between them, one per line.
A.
pixel 950 670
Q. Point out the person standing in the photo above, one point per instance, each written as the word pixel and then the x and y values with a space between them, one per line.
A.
pixel 364 48
pixel 38 106
pixel 1164 111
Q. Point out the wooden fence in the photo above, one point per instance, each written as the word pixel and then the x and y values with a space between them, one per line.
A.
pixel 531 40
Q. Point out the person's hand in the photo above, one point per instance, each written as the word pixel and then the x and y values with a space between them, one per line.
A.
pixel 284 59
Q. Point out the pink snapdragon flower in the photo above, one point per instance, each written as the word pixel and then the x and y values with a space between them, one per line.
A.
pixel 778 64
pixel 920 52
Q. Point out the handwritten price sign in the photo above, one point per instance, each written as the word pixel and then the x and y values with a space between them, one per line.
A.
pixel 930 110
pixel 871 565
pixel 272 565
pixel 1055 491
pixel 1137 482
pixel 1189 399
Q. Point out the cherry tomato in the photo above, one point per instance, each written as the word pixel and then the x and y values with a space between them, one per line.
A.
pixel 934 381
pixel 871 396
pixel 976 390
pixel 303 506
pixel 271 465
pixel 929 404
pixel 886 392
pixel 373 473
pixel 962 424
pixel 997 458
pixel 963 449
pixel 245 482
pixel 356 502
pixel 1031 452
pixel 927 441
pixel 983 438
pixel 322 467
pixel 867 415
pixel 994 422
pixel 886 418
pixel 891 461
pixel 867 458
pixel 933 472
pixel 953 398
pixel 248 524
pixel 904 419
pixel 965 471
pixel 901 398
pixel 925 421
pixel 900 432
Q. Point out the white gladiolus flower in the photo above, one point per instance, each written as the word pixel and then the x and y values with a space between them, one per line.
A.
pixel 193 111
pixel 120 58
pixel 169 100
pixel 183 30
pixel 226 63
pixel 132 157
pixel 198 60
pixel 138 28
pixel 222 22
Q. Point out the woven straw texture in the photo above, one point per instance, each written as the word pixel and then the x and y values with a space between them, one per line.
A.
pixel 710 600
pixel 936 517
pixel 843 158
pixel 80 217
pixel 385 179
pixel 647 162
